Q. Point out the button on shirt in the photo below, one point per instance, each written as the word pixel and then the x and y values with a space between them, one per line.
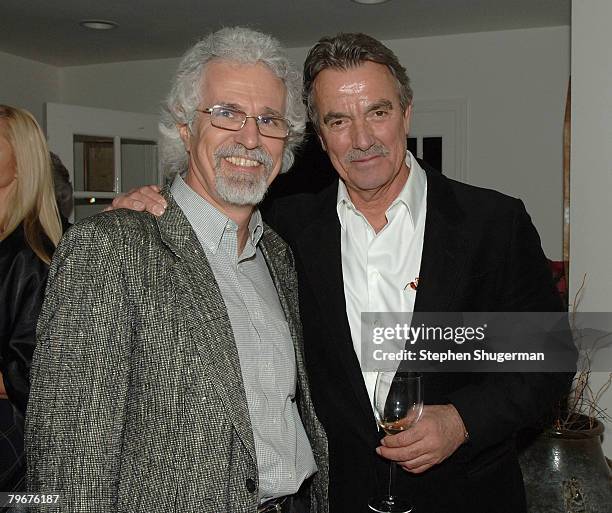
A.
pixel 263 340
pixel 377 268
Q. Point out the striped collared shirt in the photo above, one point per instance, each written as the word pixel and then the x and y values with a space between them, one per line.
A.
pixel 263 340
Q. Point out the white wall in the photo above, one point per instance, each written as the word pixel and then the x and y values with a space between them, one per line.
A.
pixel 591 164
pixel 137 86
pixel 28 84
pixel 515 83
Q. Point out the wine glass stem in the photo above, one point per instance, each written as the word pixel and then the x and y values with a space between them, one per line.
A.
pixel 392 467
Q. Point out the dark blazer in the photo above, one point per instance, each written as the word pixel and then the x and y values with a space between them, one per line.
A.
pixel 137 401
pixel 481 253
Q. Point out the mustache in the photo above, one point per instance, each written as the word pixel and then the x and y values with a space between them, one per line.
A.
pixel 237 150
pixel 376 150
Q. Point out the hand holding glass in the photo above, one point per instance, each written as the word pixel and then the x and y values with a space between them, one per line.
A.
pixel 398 405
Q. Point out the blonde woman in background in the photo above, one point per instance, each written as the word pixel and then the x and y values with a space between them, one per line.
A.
pixel 30 229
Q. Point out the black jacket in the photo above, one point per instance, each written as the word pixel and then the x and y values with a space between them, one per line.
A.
pixel 22 285
pixel 481 253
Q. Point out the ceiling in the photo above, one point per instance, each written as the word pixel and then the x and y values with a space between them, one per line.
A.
pixel 48 30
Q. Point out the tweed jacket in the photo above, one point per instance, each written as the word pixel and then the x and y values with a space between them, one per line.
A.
pixel 137 401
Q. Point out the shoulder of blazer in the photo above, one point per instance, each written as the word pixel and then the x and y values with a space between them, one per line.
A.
pixel 121 236
pixel 459 201
pixel 291 215
pixel 120 226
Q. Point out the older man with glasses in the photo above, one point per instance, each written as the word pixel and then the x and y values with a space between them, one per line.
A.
pixel 169 373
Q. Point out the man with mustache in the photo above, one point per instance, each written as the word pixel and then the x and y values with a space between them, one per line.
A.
pixel 393 235
pixel 169 373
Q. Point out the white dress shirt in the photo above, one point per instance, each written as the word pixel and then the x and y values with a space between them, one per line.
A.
pixel 377 268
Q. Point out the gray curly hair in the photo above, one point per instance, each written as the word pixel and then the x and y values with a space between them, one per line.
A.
pixel 235 44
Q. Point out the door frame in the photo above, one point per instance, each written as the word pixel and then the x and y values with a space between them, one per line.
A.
pixel 456 112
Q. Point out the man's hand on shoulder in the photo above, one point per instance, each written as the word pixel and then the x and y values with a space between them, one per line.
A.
pixel 146 198
pixel 436 436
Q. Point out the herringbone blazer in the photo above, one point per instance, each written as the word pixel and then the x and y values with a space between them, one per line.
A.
pixel 137 401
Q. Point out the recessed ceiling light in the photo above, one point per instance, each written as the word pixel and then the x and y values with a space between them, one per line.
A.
pixel 370 2
pixel 98 24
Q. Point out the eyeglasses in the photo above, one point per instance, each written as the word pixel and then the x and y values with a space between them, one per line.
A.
pixel 232 119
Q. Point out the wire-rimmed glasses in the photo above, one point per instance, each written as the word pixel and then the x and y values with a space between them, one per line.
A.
pixel 229 118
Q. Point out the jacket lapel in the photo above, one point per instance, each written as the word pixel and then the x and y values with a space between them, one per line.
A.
pixel 280 263
pixel 320 249
pixel 204 312
pixel 444 247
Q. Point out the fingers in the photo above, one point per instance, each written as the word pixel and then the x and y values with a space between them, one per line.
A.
pixel 425 460
pixel 406 453
pixel 144 198
pixel 125 201
pixel 405 438
pixel 417 470
pixel 433 439
pixel 151 193
pixel 415 459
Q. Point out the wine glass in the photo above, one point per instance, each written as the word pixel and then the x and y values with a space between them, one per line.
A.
pixel 398 405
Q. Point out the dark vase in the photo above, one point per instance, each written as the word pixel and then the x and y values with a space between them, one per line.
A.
pixel 565 471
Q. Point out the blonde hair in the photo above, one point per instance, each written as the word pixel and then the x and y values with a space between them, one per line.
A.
pixel 32 200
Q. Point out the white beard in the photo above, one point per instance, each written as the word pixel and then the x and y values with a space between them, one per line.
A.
pixel 241 188
pixel 238 188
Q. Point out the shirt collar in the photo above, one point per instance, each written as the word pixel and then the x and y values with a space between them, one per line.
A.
pixel 207 222
pixel 412 196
